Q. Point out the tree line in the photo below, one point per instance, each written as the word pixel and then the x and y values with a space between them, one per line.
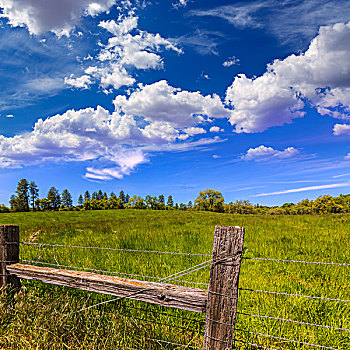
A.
pixel 26 198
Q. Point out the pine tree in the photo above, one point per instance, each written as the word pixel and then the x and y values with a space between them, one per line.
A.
pixel 127 198
pixel 22 198
pixel 54 198
pixel 99 195
pixel 80 200
pixel 34 193
pixel 161 199
pixel 122 197
pixel 94 195
pixel 170 202
pixel 66 199
pixel 87 196
pixel 113 196
pixel 13 202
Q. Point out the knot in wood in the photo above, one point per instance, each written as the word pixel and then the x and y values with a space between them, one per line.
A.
pixel 161 296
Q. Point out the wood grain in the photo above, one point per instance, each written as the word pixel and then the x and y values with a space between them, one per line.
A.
pixel 185 298
pixel 223 288
pixel 9 253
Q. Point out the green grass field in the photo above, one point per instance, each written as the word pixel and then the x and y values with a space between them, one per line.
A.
pixel 44 316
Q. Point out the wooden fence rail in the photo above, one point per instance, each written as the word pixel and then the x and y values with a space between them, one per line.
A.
pixel 219 302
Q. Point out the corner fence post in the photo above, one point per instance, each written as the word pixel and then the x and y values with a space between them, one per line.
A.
pixel 222 300
pixel 9 254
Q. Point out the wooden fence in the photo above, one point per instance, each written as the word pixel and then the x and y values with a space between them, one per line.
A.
pixel 219 302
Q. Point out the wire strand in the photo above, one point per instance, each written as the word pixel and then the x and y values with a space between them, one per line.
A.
pixel 286 339
pixel 33 262
pixel 293 295
pixel 297 261
pixel 114 249
pixel 293 321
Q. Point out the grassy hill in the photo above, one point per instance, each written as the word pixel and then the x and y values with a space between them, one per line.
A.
pixel 44 316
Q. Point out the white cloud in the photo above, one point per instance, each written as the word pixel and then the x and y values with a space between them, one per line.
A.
pixel 82 82
pixel 41 16
pixel 118 29
pixel 341 129
pixel 303 189
pixel 127 161
pixel 194 131
pixel 216 129
pixel 347 157
pixel 10 116
pixel 293 21
pixel 155 117
pixel 238 15
pixel 203 41
pixel 127 49
pixel 162 102
pixel 231 61
pixel 113 75
pixel 263 153
pixel 180 3
pixel 83 135
pixel 321 75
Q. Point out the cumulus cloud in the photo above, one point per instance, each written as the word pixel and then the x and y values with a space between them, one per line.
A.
pixel 180 3
pixel 162 102
pixel 321 76
pixel 127 49
pixel 116 141
pixel 231 61
pixel 194 131
pixel 216 129
pixel 263 153
pixel 41 16
pixel 82 82
pixel 341 129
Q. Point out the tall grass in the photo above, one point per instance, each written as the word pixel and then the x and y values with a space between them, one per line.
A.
pixel 45 317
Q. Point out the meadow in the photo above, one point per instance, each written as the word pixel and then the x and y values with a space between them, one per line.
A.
pixel 46 316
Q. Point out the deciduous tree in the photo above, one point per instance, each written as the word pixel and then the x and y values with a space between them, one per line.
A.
pixel 210 200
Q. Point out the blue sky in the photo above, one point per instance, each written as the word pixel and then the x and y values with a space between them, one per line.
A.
pixel 250 98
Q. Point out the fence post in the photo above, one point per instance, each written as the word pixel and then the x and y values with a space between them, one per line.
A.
pixel 9 254
pixel 223 288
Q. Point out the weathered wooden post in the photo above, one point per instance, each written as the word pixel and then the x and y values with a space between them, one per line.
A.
pixel 223 288
pixel 9 254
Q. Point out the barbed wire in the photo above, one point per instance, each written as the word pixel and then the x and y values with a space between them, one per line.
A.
pixel 218 340
pixel 255 345
pixel 166 324
pixel 297 261
pixel 293 321
pixel 293 295
pixel 171 277
pixel 164 313
pixel 179 253
pixel 279 319
pixel 33 262
pixel 171 343
pixel 114 249
pixel 286 339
